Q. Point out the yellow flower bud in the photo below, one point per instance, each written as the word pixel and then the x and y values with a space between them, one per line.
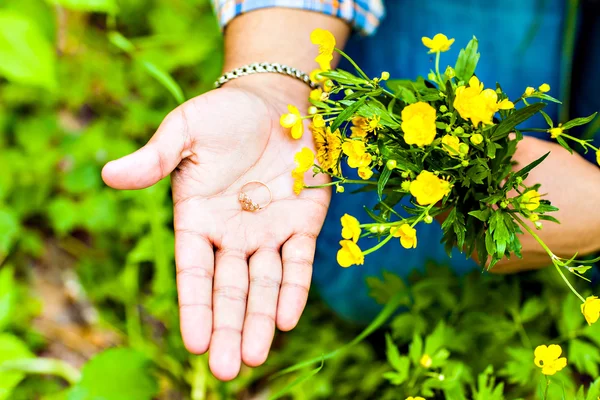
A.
pixel 463 149
pixel 318 121
pixel 555 132
pixel 426 361
pixel 385 76
pixel 391 164
pixel 459 130
pixel 477 139
pixel 316 94
pixel 534 217
pixel 339 189
pixel 544 87
pixel 428 219
pixel 464 163
pixel 598 157
pixel 450 73
pixel 529 91
pixel 443 108
pixel 538 225
pixel 312 110
pixel 405 185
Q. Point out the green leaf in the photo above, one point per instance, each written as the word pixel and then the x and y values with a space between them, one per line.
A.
pixel 347 114
pixel 525 170
pixel 116 374
pixel 584 356
pixel 481 215
pixel 164 79
pixel 582 269
pixel 389 309
pixel 102 6
pixel 9 229
pixel 382 290
pixel 11 348
pixel 8 296
pixel 579 121
pixel 27 55
pixel 400 363
pixel 514 119
pixel 467 61
pixel 303 377
pixel 403 90
pixel 415 349
pixel 519 369
pixel 594 390
pixel 383 179
pixel 532 308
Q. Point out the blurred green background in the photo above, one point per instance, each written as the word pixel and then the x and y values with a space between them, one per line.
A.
pixel 87 288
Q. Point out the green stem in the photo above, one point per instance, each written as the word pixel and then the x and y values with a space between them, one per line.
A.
pixel 354 181
pixel 437 68
pixel 378 246
pixel 547 386
pixel 552 256
pixel 43 366
pixel 568 49
pixel 347 57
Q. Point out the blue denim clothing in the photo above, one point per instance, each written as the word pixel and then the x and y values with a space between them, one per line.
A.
pixel 520 43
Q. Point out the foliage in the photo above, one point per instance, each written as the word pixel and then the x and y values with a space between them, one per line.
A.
pixel 86 279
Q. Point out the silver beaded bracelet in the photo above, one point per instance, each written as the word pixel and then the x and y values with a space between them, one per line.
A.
pixel 258 68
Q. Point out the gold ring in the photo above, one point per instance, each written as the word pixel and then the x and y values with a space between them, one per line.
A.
pixel 247 203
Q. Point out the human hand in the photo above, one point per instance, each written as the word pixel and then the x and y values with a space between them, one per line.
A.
pixel 573 185
pixel 239 273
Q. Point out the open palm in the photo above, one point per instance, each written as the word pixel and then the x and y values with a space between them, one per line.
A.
pixel 239 273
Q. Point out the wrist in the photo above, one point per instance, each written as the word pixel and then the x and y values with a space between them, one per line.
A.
pixel 273 87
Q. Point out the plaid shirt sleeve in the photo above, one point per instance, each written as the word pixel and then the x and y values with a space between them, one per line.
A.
pixel 363 15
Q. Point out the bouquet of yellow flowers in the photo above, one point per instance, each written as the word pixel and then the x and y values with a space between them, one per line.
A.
pixel 445 142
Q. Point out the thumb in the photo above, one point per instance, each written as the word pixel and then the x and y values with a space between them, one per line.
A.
pixel 151 163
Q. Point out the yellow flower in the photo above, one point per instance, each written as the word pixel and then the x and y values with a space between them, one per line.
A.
pixel 326 42
pixel 505 104
pixel 305 159
pixel 534 218
pixel 547 358
pixel 349 254
pixel 555 132
pixel 530 200
pixel 477 104
pixel 363 126
pixel 356 152
pixel 407 235
pixel 426 361
pixel 316 94
pixel 365 173
pixel 591 309
pixel 440 42
pixel 318 121
pixel 415 398
pixel 329 149
pixel 450 144
pixel 293 120
pixel 298 181
pixel 418 123
pixel 477 139
pixel 529 91
pixel 428 188
pixel 544 87
pixel 350 228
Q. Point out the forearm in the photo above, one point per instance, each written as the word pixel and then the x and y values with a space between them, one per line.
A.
pixel 279 35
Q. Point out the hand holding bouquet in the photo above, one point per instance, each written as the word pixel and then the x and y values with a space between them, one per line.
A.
pixel 446 144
